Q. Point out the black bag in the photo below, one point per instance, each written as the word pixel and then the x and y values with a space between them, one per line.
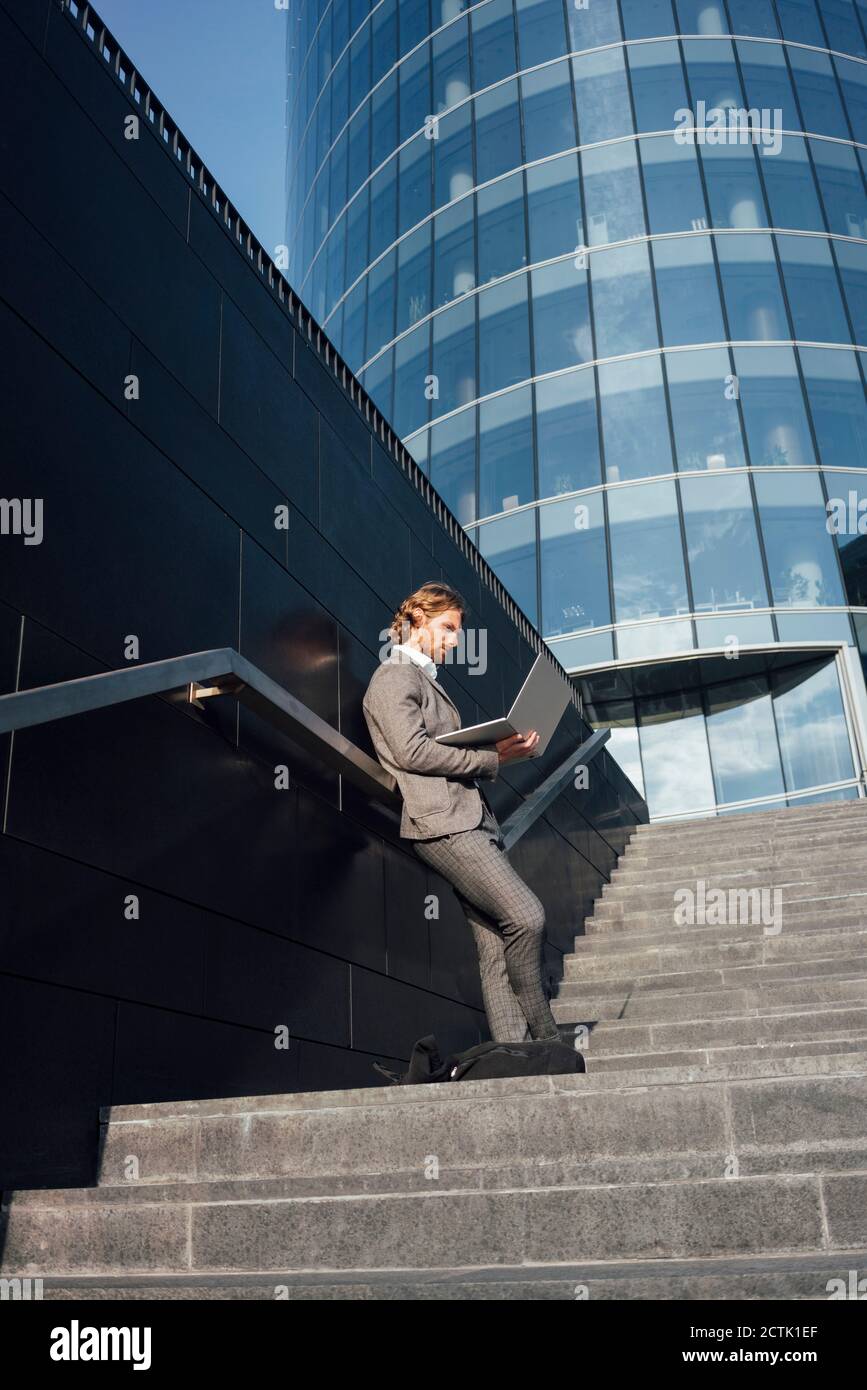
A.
pixel 542 1057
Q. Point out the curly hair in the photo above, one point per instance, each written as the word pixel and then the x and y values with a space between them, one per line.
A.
pixel 432 598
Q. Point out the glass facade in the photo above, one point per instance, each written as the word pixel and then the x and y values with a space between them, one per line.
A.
pixel 605 271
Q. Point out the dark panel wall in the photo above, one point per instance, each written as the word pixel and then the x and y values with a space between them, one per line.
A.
pixel 163 907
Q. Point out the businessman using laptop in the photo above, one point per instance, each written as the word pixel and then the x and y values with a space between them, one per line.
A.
pixel 446 816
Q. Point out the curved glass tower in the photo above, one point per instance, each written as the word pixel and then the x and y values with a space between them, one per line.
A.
pixel 603 265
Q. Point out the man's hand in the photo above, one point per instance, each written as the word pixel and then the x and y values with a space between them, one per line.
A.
pixel 517 746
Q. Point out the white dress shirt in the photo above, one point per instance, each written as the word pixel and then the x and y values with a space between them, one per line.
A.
pixel 416 654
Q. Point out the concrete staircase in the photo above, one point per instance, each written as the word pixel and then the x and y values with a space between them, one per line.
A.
pixel 715 1148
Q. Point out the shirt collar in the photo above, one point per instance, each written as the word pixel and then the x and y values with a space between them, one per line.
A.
pixel 413 654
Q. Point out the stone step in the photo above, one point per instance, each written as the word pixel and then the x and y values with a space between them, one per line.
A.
pixel 700 1060
pixel 826 813
pixel 617 957
pixel 674 1218
pixel 598 977
pixel 650 869
pixel 718 834
pixel 848 907
pixel 609 1037
pixel 798 879
pixel 659 1006
pixel 617 901
pixel 394 1128
pixel 795 1278
pixel 602 938
pixel 817 822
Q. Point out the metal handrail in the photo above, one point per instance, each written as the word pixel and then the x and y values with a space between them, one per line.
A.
pixel 519 822
pixel 223 671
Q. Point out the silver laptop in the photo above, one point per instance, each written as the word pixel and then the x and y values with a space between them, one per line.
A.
pixel 538 705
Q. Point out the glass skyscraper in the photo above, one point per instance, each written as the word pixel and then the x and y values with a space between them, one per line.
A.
pixel 623 331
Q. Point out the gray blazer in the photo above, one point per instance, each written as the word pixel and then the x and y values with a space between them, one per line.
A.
pixel 404 708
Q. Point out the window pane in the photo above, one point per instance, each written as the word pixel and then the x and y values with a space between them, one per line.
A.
pixel 502 246
pixel 722 545
pixel 852 261
pixel 380 305
pixel 847 518
pixel 733 188
pixel 658 85
pixel 383 121
pixel 561 317
pixel 743 740
pixel 549 124
pixel 601 96
pixel 746 629
pixel 541 32
pixel 701 17
pixel 574 565
pixel 800 21
pixel 613 193
pixel 634 420
pixel 644 19
pixel 453 157
pixel 704 410
pixel 414 23
pixel 595 25
pixel 767 82
pixel 413 278
pixel 675 200
pixel 509 546
pixel 454 356
pixel 554 208
pixel 773 406
pixel 853 80
pixel 811 285
pixel 505 452
pixel 357 220
pixel 622 301
pixel 411 366
pixel 383 208
pixel 674 753
pixel 451 66
pixel 686 282
pixel 812 726
pixel 646 552
pixel 453 464
pixel 498 131
pixel 493 43
pixel 842 187
pixel 711 69
pixel 454 252
pixel 801 558
pixel 836 395
pixel 650 639
pixel 791 188
pixel 567 433
pixel 842 27
pixel 415 189
pixel 817 93
pixel 751 286
pixel 359 149
pixel 504 335
pixel 754 17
